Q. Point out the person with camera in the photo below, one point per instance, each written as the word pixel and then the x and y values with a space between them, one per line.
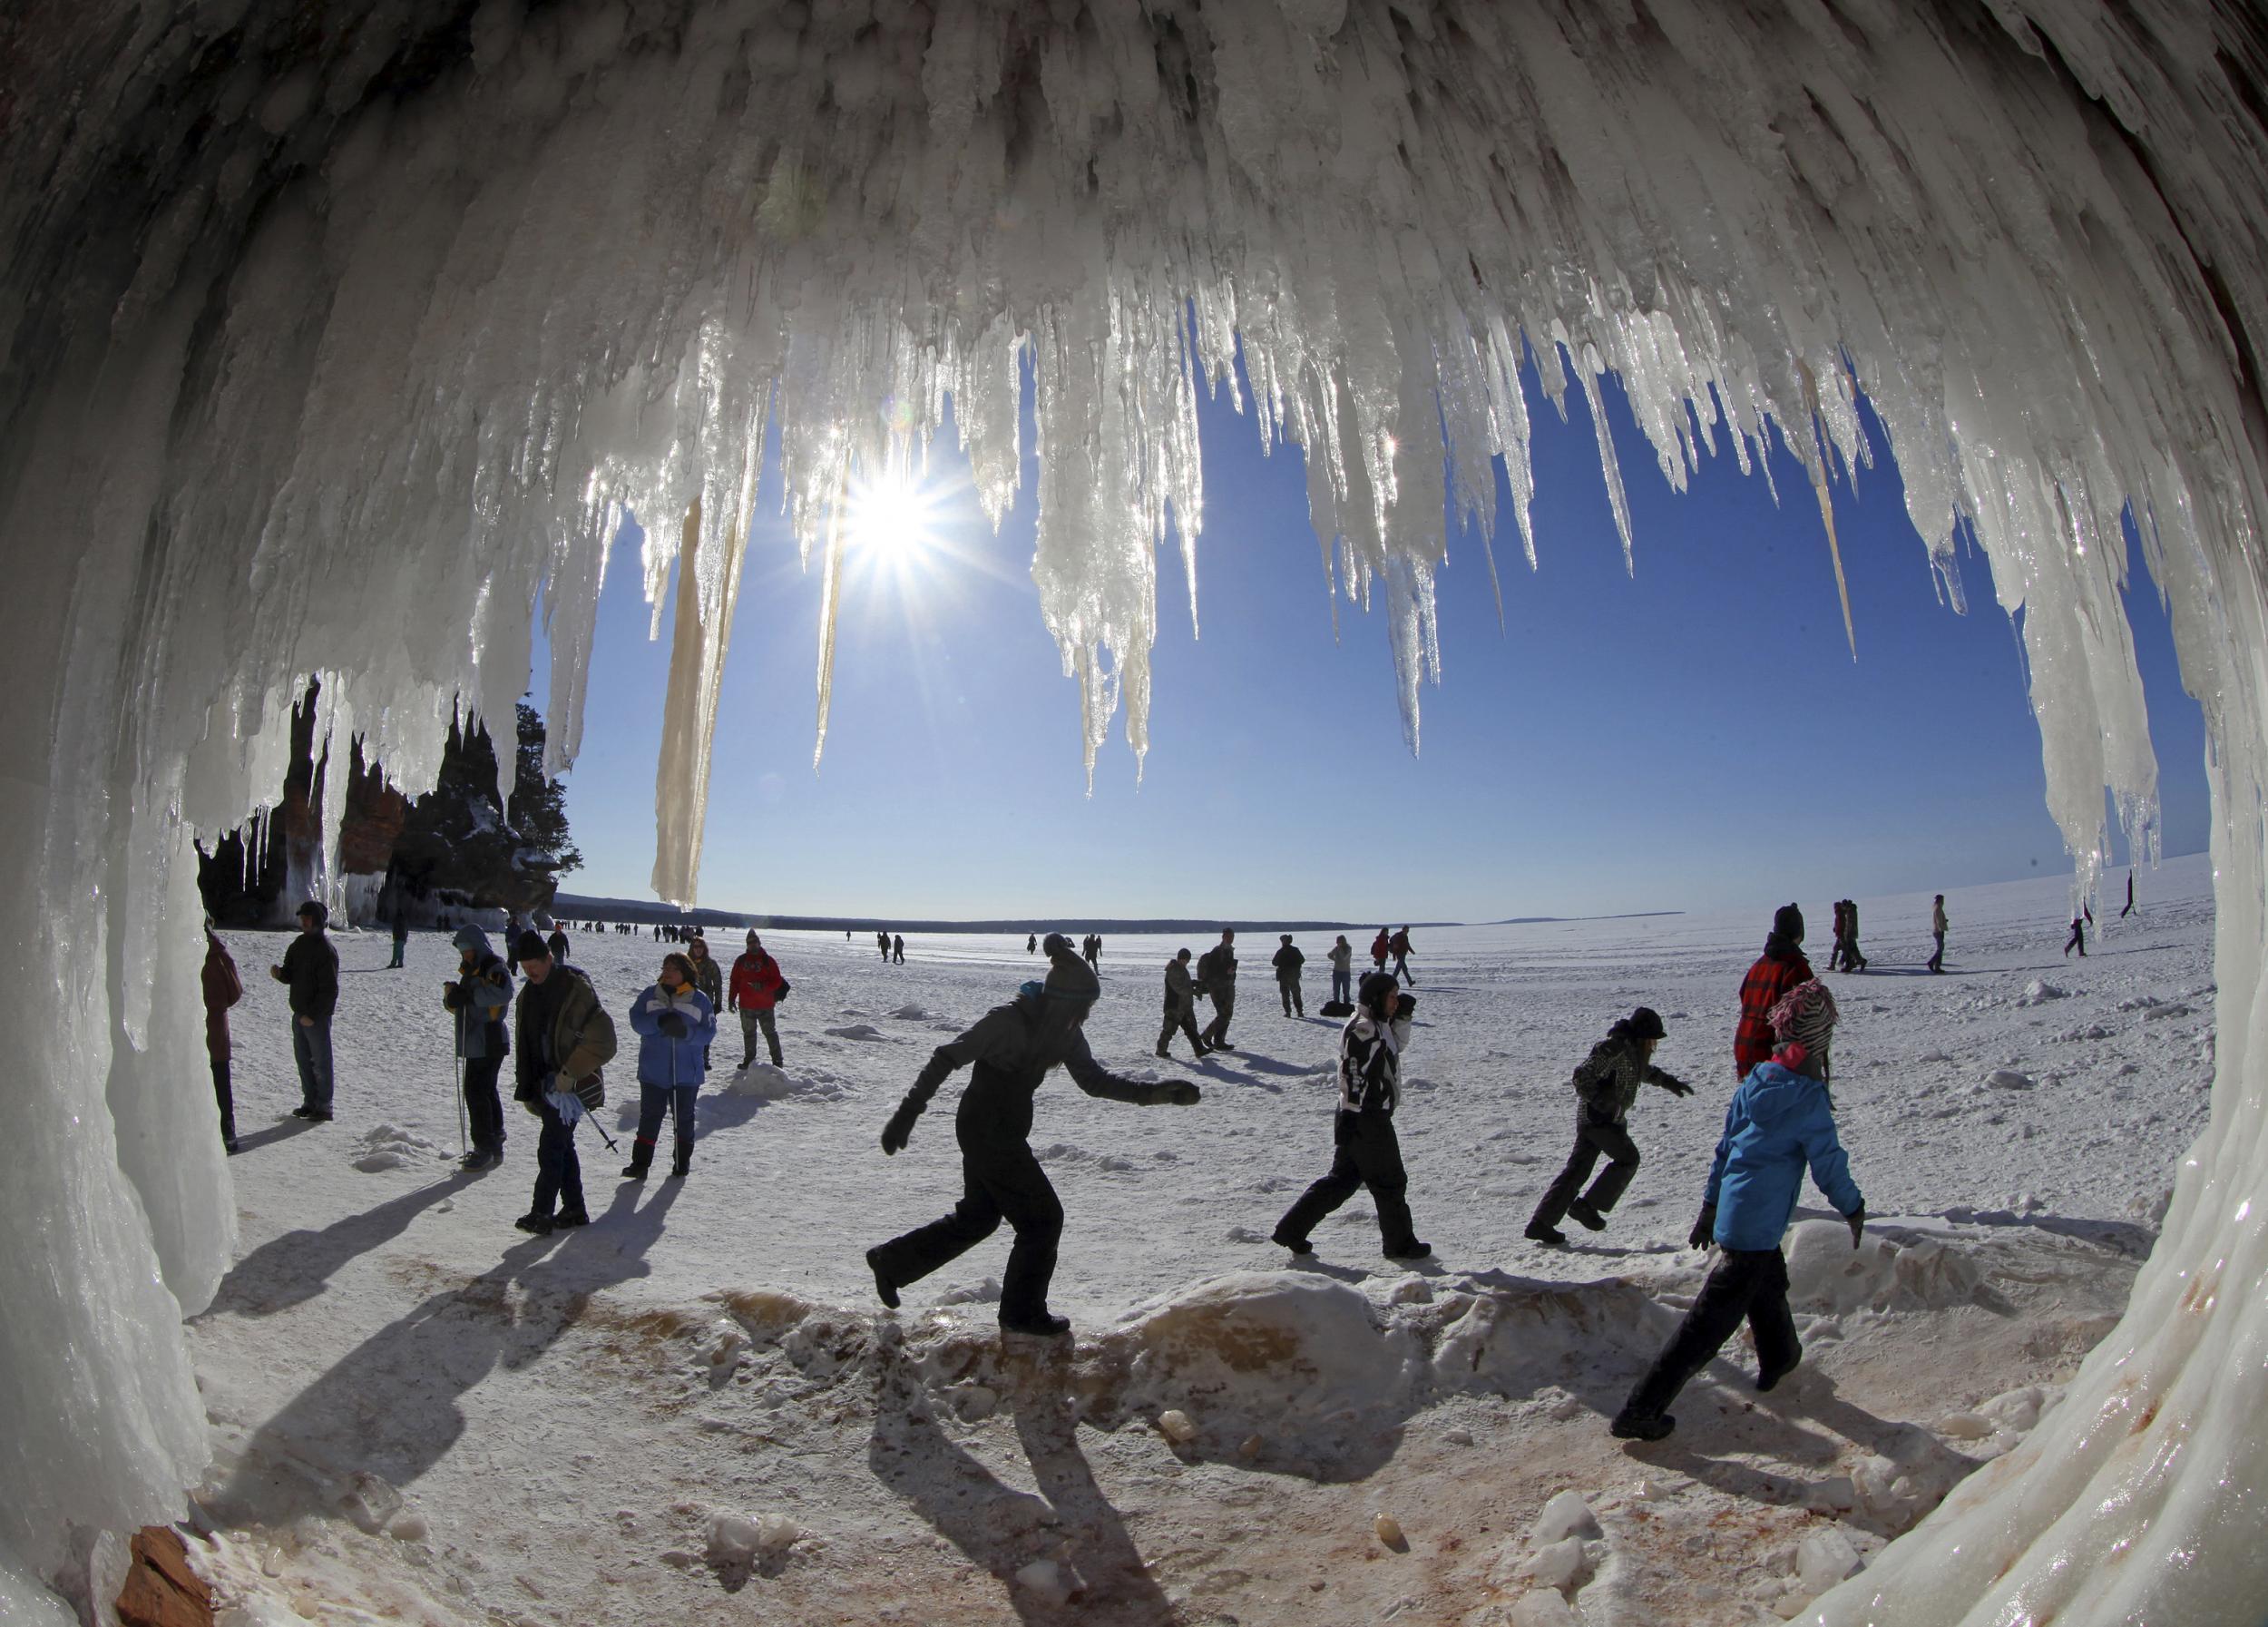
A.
pixel 561 1037
pixel 1605 1084
pixel 477 999
pixel 1780 1122
pixel 1009 1052
pixel 676 1023
pixel 1365 1151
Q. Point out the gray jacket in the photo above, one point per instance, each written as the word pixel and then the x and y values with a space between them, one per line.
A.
pixel 1181 991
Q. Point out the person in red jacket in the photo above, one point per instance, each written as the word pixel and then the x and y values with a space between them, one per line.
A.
pixel 757 986
pixel 1379 948
pixel 1778 969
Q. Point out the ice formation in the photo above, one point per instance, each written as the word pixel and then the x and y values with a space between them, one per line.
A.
pixel 338 341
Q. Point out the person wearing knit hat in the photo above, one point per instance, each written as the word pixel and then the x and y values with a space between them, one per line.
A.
pixel 1778 969
pixel 1287 962
pixel 1781 1121
pixel 1366 1151
pixel 1605 1084
pixel 1009 1051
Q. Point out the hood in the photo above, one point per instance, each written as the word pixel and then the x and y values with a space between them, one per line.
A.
pixel 474 939
pixel 1776 1092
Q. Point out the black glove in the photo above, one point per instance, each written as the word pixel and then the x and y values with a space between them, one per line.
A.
pixel 671 1024
pixel 1703 1231
pixel 1176 1092
pixel 1675 1086
pixel 1409 1004
pixel 1857 1220
pixel 899 1129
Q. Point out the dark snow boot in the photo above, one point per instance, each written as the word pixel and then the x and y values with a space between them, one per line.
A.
pixel 1629 1426
pixel 535 1224
pixel 1551 1237
pixel 1413 1250
pixel 1042 1326
pixel 1297 1245
pixel 1766 1380
pixel 885 1290
pixel 571 1217
pixel 681 1165
pixel 1584 1215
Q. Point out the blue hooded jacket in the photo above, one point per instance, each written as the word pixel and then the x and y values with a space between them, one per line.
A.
pixel 679 1063
pixel 1779 1121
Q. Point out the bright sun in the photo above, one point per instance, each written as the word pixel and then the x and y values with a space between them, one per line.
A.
pixel 893 519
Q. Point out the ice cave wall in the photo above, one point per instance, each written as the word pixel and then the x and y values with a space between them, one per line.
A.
pixel 336 338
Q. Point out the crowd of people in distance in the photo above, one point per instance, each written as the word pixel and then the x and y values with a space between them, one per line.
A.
pixel 551 1024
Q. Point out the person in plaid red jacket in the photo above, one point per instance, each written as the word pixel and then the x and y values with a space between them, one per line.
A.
pixel 1778 969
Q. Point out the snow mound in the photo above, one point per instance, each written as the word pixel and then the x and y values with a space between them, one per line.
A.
pixel 854 1031
pixel 1521 1338
pixel 1826 1274
pixel 1264 1345
pixel 2039 991
pixel 2008 1079
pixel 770 1083
pixel 391 1147
pixel 1063 1153
pixel 986 1292
pixel 912 1011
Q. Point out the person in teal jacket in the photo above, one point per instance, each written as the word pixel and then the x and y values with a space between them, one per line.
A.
pixel 1781 1121
pixel 676 1025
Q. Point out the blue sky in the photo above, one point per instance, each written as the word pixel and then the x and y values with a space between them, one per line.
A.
pixel 1622 744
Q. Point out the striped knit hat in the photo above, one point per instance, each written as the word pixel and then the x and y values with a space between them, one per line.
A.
pixel 1803 1020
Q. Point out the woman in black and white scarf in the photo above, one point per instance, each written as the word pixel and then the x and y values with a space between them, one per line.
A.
pixel 1366 1152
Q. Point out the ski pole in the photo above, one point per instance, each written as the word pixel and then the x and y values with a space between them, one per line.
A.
pixel 462 1149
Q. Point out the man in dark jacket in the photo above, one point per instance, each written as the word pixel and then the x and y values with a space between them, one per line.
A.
pixel 1399 945
pixel 1365 1151
pixel 1778 969
pixel 1180 1006
pixel 223 988
pixel 310 967
pixel 1605 1084
pixel 401 934
pixel 1217 978
pixel 1010 1050
pixel 477 1000
pixel 1287 962
pixel 562 1038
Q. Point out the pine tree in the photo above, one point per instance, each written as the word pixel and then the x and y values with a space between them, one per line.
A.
pixel 537 809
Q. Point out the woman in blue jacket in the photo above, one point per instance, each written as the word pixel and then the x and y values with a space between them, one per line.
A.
pixel 676 1025
pixel 1780 1119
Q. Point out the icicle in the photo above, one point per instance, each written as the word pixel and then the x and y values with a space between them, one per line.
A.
pixel 1818 466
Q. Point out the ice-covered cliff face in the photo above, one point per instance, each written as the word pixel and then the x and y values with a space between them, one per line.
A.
pixel 336 338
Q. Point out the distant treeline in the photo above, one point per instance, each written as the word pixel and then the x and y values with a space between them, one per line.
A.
pixel 574 907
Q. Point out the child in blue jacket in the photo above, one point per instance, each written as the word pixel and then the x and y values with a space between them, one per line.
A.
pixel 1780 1119
pixel 676 1025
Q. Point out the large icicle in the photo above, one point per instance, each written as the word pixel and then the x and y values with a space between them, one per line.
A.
pixel 344 346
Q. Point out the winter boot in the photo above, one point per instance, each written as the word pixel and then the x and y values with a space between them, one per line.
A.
pixel 1413 1250
pixel 1629 1426
pixel 1551 1237
pixel 535 1224
pixel 884 1289
pixel 683 1164
pixel 571 1217
pixel 1297 1245
pixel 640 1160
pixel 1042 1326
pixel 1581 1213
pixel 1766 1380
pixel 1164 1054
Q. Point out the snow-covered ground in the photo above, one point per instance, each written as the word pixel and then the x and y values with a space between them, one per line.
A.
pixel 693 1410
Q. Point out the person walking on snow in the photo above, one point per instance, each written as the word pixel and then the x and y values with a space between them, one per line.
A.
pixel 1287 962
pixel 562 1038
pixel 310 967
pixel 1605 1084
pixel 1181 1007
pixel 1778 969
pixel 223 988
pixel 478 999
pixel 882 941
pixel 1780 1121
pixel 757 986
pixel 710 978
pixel 897 949
pixel 1365 1151
pixel 1342 959
pixel 1937 930
pixel 1380 948
pixel 2077 940
pixel 676 1023
pixel 1009 1051
pixel 1399 945
pixel 1852 961
pixel 1031 942
pixel 401 935
pixel 1216 977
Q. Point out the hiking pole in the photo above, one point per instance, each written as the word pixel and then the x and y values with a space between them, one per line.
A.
pixel 592 1120
pixel 462 1149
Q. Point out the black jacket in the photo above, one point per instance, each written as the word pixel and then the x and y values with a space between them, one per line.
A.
pixel 1009 1053
pixel 311 969
pixel 1607 1080
pixel 1217 971
pixel 1287 962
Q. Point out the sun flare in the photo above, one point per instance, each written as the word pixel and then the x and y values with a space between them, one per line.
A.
pixel 893 518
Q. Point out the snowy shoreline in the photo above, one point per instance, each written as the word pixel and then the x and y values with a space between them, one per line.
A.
pixel 694 1410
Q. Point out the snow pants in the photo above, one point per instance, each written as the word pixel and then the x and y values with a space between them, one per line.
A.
pixel 1343 985
pixel 1592 1137
pixel 753 1018
pixel 484 1110
pixel 1000 1180
pixel 1289 988
pixel 311 1049
pixel 558 1170
pixel 1747 1283
pixel 1937 961
pixel 1184 1024
pixel 1216 1033
pixel 225 1097
pixel 654 1102
pixel 1365 1151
